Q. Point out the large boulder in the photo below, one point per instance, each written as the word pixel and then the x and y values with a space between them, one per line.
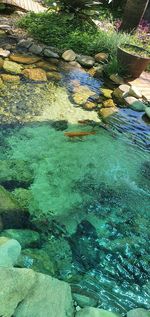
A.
pixel 10 250
pixel 95 312
pixel 26 293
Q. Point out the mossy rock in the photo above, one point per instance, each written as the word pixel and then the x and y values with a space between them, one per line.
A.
pixel 12 67
pixel 26 238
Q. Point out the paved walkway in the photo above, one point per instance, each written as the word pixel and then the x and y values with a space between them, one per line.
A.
pixel 143 83
pixel 27 5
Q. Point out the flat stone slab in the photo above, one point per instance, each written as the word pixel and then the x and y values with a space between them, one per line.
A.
pixel 143 84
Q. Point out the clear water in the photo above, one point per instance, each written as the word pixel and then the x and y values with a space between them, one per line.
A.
pixel 93 192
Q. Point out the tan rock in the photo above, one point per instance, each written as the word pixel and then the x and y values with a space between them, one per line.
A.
pixel 81 94
pixel 101 57
pixel 89 105
pixel 69 56
pixel 75 64
pixel 109 103
pixel 24 59
pixel 36 74
pixel 107 93
pixel 10 78
pixel 46 66
pixel 54 75
pixel 107 112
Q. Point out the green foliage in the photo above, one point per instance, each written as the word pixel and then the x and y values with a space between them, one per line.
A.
pixel 57 30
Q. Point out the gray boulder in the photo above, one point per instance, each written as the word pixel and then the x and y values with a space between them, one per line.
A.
pixel 86 61
pixel 10 250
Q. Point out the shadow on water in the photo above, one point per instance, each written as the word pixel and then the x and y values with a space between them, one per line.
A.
pixel 93 192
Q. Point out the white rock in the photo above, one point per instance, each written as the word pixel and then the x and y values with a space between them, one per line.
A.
pixel 135 92
pixel 69 56
pixel 4 53
pixel 94 312
pixel 135 104
pixel 10 250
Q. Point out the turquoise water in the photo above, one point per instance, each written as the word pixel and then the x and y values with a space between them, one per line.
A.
pixel 90 194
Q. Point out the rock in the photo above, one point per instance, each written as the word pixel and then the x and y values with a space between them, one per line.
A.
pixel 24 59
pixel 38 260
pixel 54 75
pixel 12 214
pixel 121 92
pixel 138 312
pixel 12 67
pixel 49 53
pixel 36 49
pixel 95 312
pixel 101 57
pixel 23 197
pixel 10 78
pixel 4 53
pixel 48 297
pixel 46 66
pixel 89 105
pixel 107 112
pixel 107 93
pixel 109 103
pixel 16 285
pixel 81 94
pixel 147 112
pixel 1 83
pixel 69 56
pixel 25 43
pixel 135 92
pixel 135 104
pixel 26 238
pixel 36 74
pixel 1 63
pixel 53 61
pixel 117 79
pixel 15 173
pixel 84 301
pixel 86 61
pixel 10 250
pixel 75 64
pixel 99 71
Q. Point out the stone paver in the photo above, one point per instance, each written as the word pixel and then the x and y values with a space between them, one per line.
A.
pixel 143 84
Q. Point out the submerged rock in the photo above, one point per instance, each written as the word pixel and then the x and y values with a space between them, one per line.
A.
pixel 84 301
pixel 26 237
pixel 135 104
pixel 138 312
pixel 109 103
pixel 24 59
pixel 36 74
pixel 10 250
pixel 147 112
pixel 107 93
pixel 89 105
pixel 106 112
pixel 69 56
pixel 81 94
pixel 26 293
pixel 10 78
pixel 47 66
pixel 12 67
pixel 54 75
pixel 95 312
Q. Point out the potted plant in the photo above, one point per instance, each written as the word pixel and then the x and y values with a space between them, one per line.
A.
pixel 133 59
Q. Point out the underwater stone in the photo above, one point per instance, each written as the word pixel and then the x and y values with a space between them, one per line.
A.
pixel 89 105
pixel 147 112
pixel 26 237
pixel 81 94
pixel 47 66
pixel 12 67
pixel 95 312
pixel 10 78
pixel 54 75
pixel 107 112
pixel 109 103
pixel 84 301
pixel 138 312
pixel 36 74
pixel 9 251
pixel 48 297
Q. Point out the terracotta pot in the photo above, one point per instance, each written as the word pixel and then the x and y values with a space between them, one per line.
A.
pixel 133 65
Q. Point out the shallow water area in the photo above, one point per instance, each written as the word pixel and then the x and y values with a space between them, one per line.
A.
pixel 89 196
